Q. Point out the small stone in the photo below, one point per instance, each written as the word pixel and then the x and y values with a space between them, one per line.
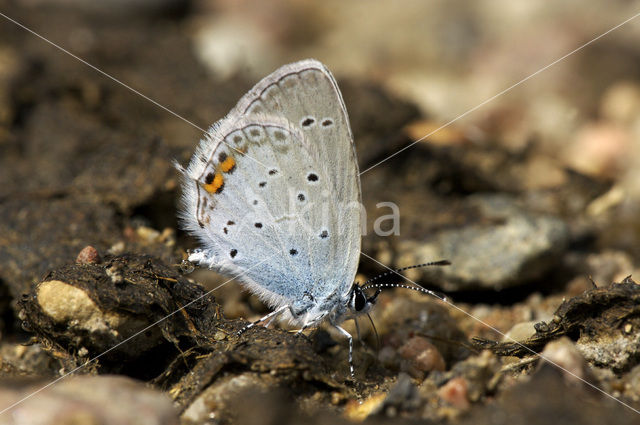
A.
pixel 147 234
pixel 527 243
pixel 422 356
pixel 219 397
pixel 117 248
pixel 404 396
pixel 87 400
pixel 564 353
pixel 88 255
pixel 66 304
pixel 455 392
pixel 520 332
pixel 358 411
pixel 599 149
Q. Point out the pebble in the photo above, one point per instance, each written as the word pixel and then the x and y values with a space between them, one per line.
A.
pixel 88 255
pixel 455 392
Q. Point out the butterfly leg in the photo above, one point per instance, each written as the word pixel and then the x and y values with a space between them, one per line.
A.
pixel 350 338
pixel 269 321
pixel 269 316
pixel 309 324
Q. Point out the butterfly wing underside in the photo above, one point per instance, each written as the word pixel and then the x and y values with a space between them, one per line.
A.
pixel 273 191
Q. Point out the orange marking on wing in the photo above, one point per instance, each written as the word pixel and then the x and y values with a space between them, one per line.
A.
pixel 216 185
pixel 228 165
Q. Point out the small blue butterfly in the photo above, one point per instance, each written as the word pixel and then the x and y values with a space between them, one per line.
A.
pixel 273 194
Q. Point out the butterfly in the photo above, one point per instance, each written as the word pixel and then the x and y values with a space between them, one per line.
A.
pixel 273 195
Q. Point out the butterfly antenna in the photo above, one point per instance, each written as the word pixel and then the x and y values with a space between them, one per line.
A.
pixel 434 294
pixel 415 266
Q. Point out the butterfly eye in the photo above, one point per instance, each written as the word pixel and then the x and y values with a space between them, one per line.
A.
pixel 359 299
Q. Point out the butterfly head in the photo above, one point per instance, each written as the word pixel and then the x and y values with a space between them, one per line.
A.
pixel 359 303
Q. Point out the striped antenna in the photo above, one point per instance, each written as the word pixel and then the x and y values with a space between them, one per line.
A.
pixel 415 266
pixel 368 284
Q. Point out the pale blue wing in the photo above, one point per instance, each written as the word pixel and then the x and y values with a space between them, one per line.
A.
pixel 286 215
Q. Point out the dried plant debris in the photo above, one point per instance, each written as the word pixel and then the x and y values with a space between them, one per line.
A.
pixel 79 311
pixel 260 359
pixel 154 324
pixel 604 323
